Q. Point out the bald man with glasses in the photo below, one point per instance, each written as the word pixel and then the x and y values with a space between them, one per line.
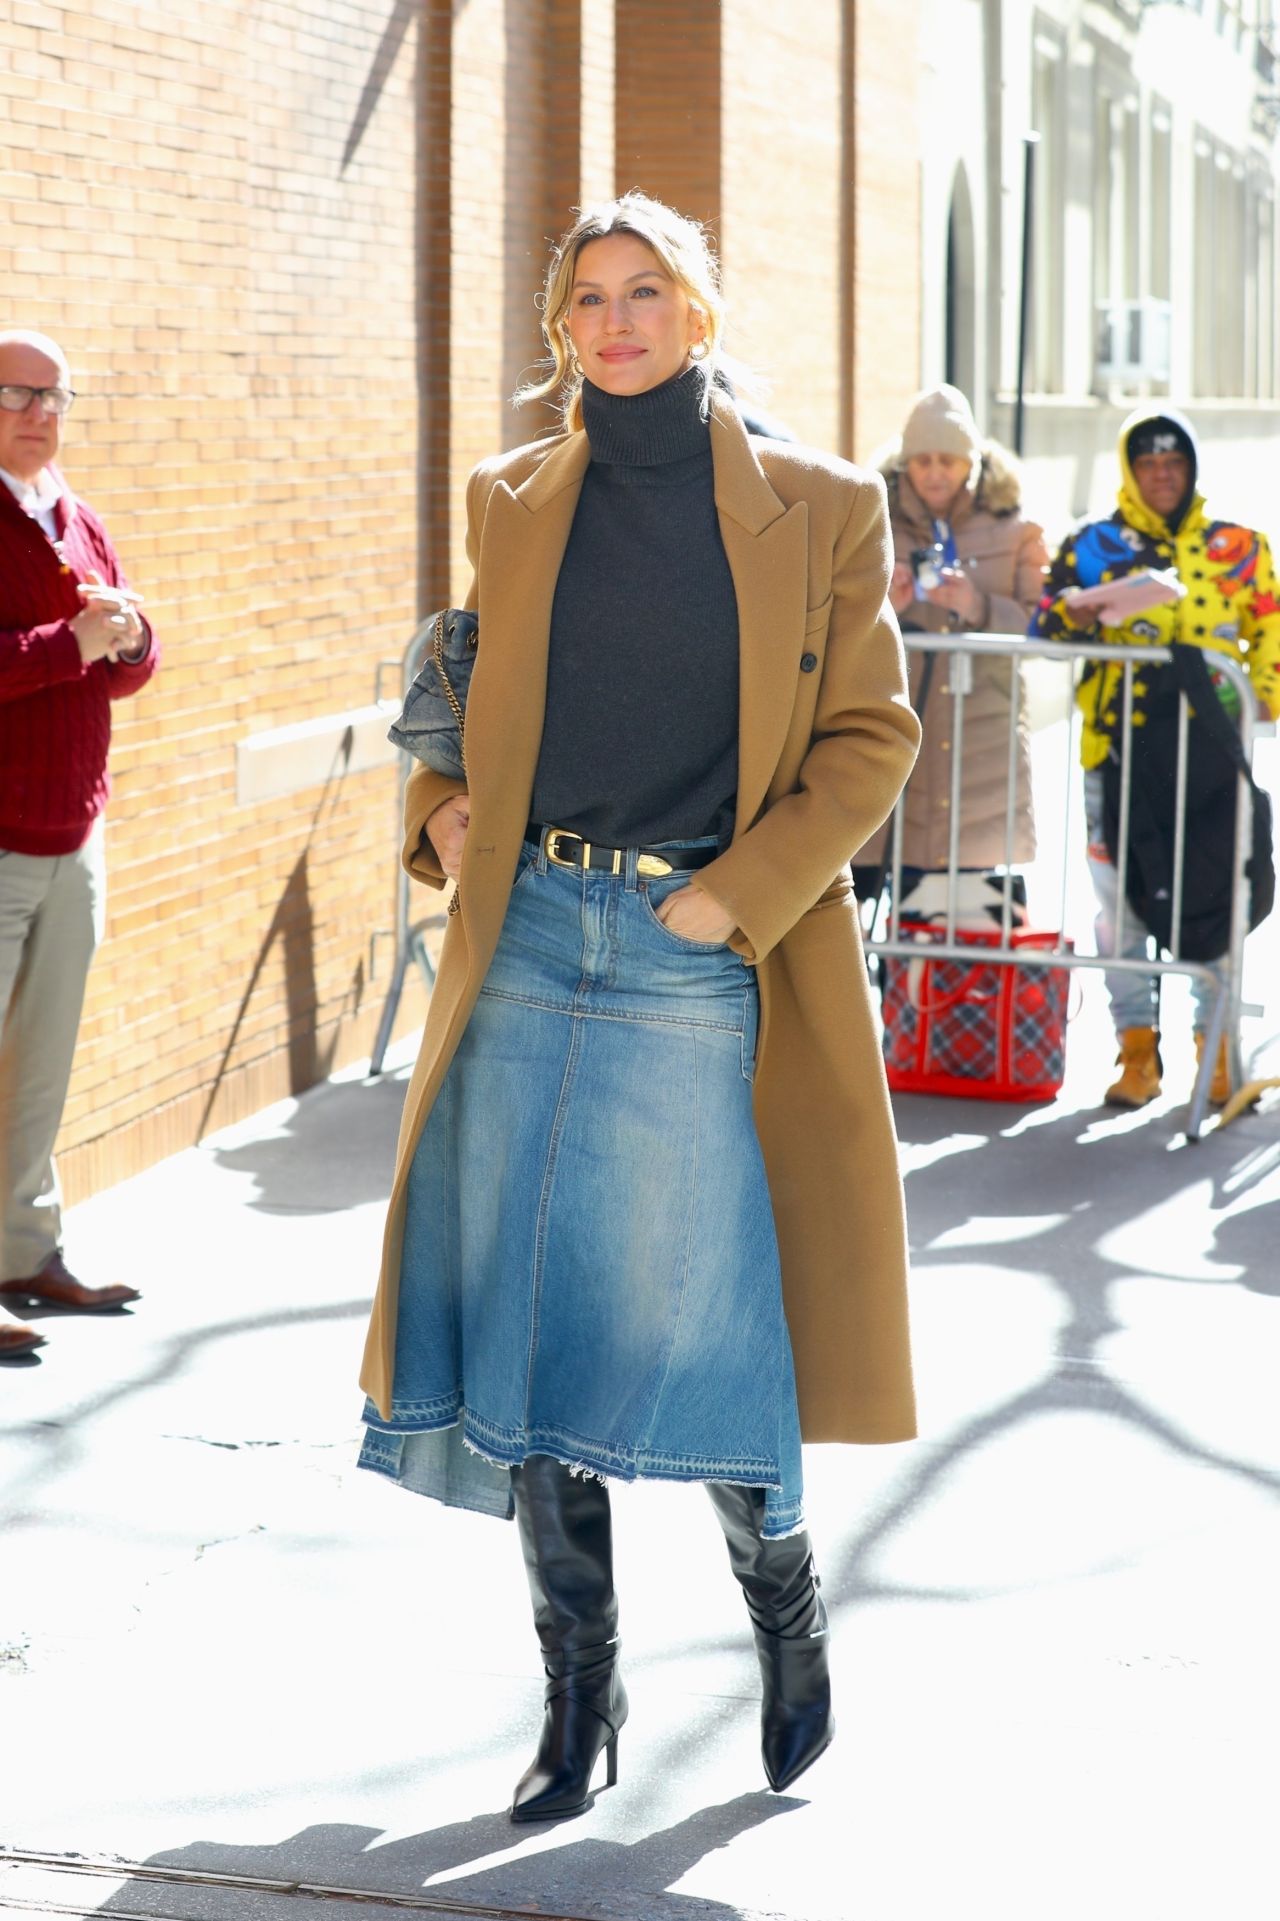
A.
pixel 71 642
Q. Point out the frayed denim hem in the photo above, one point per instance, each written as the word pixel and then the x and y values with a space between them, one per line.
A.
pixel 464 1463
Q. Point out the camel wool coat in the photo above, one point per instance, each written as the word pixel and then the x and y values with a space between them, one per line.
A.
pixel 827 738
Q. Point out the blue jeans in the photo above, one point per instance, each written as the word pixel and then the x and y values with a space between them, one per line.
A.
pixel 590 1267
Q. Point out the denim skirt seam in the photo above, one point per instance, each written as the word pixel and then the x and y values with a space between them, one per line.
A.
pixel 681 1021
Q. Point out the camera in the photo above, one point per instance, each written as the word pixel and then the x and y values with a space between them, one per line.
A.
pixel 927 564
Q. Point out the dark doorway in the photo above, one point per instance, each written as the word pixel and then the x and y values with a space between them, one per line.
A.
pixel 961 364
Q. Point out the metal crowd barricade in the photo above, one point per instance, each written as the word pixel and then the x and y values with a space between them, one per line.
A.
pixel 410 943
pixel 1227 1007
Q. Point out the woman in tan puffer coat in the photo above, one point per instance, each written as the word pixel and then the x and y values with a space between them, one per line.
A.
pixel 966 559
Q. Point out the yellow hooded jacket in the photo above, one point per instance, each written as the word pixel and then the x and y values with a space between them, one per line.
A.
pixel 1230 608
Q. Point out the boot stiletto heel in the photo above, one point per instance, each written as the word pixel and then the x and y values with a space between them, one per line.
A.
pixel 566 1536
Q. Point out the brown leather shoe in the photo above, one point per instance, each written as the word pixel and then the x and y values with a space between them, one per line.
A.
pixel 57 1285
pixel 16 1338
pixel 1139 1057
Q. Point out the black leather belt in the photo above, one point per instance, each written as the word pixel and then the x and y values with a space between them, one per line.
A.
pixel 571 850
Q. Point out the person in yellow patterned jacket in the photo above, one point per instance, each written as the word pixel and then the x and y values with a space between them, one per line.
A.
pixel 1228 608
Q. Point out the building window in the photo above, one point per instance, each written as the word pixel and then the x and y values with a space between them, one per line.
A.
pixel 1260 370
pixel 1131 245
pixel 1047 80
pixel 1161 201
pixel 1220 275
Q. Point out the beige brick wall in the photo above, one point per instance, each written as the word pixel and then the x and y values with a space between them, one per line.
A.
pixel 885 240
pixel 237 304
pixel 667 102
pixel 782 205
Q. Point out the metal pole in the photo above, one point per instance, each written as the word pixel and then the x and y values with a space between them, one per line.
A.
pixel 1030 141
pixel 960 681
pixel 1010 801
pixel 1179 830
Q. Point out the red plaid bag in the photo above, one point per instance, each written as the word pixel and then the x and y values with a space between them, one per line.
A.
pixel 986 1029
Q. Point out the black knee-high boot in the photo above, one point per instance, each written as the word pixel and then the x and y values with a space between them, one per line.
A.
pixel 789 1621
pixel 567 1540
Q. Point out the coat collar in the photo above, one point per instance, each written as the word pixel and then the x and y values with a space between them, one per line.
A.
pixel 742 488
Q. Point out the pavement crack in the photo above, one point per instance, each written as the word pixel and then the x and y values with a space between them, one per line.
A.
pixel 225 1540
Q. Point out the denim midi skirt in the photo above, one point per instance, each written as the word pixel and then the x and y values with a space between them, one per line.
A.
pixel 590 1268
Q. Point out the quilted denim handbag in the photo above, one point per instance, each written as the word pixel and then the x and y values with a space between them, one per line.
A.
pixel 432 723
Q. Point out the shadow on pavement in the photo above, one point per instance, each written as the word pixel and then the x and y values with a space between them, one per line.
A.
pixel 62 1440
pixel 585 1877
pixel 335 1151
pixel 1089 1187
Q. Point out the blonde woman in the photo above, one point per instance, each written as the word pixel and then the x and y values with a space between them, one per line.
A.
pixel 647 1184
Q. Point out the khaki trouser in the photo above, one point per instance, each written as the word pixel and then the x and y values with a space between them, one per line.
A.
pixel 51 916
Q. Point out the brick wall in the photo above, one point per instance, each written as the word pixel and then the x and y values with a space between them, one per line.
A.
pixel 211 207
pixel 782 204
pixel 292 249
pixel 883 355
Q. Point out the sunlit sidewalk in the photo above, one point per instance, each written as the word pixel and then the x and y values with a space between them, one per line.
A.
pixel 224 1651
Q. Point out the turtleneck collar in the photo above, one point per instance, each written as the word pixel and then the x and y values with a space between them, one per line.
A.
pixel 648 429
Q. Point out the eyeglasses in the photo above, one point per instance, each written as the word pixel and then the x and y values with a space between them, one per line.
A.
pixel 53 400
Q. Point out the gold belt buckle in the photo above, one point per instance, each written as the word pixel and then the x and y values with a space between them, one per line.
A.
pixel 556 834
pixel 650 866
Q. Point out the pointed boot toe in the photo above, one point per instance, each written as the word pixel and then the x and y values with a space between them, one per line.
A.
pixel 579 1725
pixel 796 1722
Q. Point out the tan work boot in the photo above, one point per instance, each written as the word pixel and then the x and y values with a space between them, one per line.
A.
pixel 1220 1085
pixel 1139 1057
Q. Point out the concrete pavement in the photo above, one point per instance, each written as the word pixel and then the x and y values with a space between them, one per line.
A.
pixel 225 1653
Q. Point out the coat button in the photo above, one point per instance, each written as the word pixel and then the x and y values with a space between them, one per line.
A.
pixel 807 663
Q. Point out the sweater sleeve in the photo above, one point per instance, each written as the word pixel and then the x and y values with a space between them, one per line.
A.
pixel 124 677
pixel 34 658
pixel 1260 631
pixel 1050 619
pixel 865 739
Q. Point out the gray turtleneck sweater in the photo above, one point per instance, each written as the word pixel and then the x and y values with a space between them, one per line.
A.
pixel 640 742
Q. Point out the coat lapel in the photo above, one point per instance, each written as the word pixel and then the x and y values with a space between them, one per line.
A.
pixel 767 547
pixel 525 534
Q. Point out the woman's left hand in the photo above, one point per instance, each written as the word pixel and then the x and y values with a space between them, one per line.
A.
pixel 695 914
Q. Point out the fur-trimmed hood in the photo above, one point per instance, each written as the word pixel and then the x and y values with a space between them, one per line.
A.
pixel 996 487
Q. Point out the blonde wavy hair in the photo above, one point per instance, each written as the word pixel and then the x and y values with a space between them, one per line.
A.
pixel 680 245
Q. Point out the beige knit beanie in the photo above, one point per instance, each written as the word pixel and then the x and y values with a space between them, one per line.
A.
pixel 941 422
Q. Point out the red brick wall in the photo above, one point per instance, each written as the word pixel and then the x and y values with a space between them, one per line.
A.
pixel 292 250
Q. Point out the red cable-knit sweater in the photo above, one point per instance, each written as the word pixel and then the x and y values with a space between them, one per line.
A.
pixel 55 713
